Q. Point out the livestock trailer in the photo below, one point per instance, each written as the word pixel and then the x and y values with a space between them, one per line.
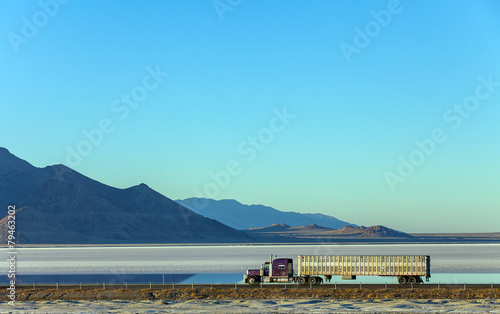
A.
pixel 315 268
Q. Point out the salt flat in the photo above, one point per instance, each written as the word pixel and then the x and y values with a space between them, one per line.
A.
pixel 445 258
pixel 259 306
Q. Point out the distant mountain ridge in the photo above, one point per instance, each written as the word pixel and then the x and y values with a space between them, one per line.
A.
pixel 57 205
pixel 285 227
pixel 372 232
pixel 242 217
pixel 316 232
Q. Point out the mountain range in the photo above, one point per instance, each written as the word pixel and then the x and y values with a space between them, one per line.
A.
pixel 242 217
pixel 310 232
pixel 57 205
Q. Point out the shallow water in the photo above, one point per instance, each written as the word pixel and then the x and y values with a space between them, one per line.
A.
pixel 222 278
pixel 450 263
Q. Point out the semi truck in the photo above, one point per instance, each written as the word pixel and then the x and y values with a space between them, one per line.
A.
pixel 315 269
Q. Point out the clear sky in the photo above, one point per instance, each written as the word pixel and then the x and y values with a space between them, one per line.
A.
pixel 375 112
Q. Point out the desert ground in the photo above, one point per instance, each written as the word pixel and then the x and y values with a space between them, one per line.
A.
pixel 478 299
pixel 258 306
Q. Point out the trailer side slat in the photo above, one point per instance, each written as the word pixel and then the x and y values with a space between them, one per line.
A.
pixel 363 265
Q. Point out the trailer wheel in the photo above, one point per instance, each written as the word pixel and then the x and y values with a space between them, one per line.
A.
pixel 301 280
pixel 402 280
pixel 313 280
pixel 252 280
pixel 414 280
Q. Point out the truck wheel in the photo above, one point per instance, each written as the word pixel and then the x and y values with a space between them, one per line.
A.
pixel 414 280
pixel 402 280
pixel 252 280
pixel 301 280
pixel 313 280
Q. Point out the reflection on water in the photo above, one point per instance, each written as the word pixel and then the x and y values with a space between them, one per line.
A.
pixel 453 278
pixel 450 263
pixel 445 258
pixel 99 278
pixel 468 278
pixel 125 278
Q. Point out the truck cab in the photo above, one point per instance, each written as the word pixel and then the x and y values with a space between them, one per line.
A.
pixel 277 270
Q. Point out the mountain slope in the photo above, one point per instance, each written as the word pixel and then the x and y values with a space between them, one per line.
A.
pixel 242 217
pixel 57 205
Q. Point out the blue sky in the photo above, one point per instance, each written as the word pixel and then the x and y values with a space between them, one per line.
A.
pixel 262 102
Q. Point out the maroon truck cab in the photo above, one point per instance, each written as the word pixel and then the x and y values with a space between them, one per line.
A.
pixel 278 270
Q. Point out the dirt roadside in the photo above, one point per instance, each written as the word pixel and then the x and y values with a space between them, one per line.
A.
pixel 27 294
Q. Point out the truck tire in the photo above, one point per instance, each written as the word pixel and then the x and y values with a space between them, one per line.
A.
pixel 301 281
pixel 252 280
pixel 402 280
pixel 414 280
pixel 313 280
